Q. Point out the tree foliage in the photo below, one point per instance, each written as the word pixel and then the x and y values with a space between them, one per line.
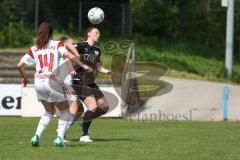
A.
pixel 181 20
pixel 202 21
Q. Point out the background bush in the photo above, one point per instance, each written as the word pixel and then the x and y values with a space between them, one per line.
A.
pixel 15 35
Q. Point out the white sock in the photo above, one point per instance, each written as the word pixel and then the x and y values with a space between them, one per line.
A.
pixel 64 122
pixel 69 124
pixel 43 123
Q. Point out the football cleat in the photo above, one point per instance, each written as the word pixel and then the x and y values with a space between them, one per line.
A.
pixel 59 142
pixel 35 141
pixel 85 138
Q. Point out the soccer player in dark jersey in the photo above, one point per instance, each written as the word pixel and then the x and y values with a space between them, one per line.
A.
pixel 84 82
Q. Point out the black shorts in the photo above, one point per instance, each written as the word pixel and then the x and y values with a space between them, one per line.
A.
pixel 84 90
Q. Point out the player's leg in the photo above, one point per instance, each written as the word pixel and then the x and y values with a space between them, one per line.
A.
pixel 43 123
pixel 75 105
pixel 57 95
pixel 77 114
pixel 80 110
pixel 84 91
pixel 65 118
pixel 96 107
pixel 103 107
pixel 91 105
pixel 102 103
pixel 76 108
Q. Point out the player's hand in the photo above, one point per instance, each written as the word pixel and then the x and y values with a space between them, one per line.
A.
pixel 109 74
pixel 25 81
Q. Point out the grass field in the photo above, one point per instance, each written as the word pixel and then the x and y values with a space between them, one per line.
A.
pixel 120 139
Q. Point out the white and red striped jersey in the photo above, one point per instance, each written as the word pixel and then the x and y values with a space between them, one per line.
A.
pixel 46 59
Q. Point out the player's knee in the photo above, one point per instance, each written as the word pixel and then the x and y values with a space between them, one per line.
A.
pixel 73 109
pixel 104 107
pixel 102 103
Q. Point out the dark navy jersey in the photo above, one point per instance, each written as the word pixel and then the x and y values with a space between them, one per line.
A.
pixel 90 55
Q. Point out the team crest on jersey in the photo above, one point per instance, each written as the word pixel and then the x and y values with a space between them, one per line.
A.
pixel 96 53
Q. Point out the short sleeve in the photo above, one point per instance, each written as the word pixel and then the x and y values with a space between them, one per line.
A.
pixel 27 59
pixel 99 53
pixel 61 48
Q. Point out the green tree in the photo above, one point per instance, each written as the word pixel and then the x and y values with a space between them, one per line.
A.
pixel 8 11
pixel 180 20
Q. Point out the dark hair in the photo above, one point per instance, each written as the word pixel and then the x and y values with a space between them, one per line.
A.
pixel 63 38
pixel 87 31
pixel 45 32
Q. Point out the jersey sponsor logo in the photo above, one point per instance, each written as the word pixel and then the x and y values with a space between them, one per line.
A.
pixel 89 58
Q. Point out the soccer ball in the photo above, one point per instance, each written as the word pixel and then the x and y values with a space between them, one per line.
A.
pixel 95 15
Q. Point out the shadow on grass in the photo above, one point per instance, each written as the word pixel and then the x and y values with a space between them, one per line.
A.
pixel 76 144
pixel 114 139
pixel 105 140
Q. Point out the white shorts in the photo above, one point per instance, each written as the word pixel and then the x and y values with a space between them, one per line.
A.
pixel 51 90
pixel 53 93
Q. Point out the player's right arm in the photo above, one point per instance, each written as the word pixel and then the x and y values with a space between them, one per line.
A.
pixel 21 70
pixel 26 59
pixel 72 56
pixel 77 60
pixel 70 46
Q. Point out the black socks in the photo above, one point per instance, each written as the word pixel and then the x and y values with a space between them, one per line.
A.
pixel 87 119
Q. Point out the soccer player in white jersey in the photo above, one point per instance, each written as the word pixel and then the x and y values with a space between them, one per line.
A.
pixel 75 103
pixel 47 55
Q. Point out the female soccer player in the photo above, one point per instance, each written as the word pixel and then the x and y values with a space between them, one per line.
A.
pixel 84 82
pixel 47 55
pixel 75 104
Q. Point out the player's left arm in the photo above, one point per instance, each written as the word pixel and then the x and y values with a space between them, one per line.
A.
pixel 103 70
